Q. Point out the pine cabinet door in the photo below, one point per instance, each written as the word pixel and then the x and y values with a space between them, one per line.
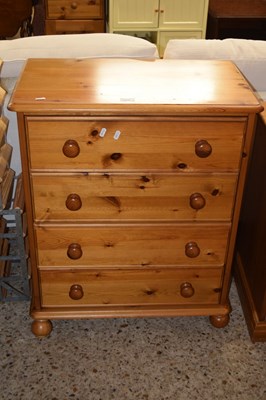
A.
pixel 182 14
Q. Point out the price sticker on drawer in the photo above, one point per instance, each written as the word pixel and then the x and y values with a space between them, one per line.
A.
pixel 102 132
pixel 117 135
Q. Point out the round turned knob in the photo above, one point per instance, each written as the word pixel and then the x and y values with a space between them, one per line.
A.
pixel 76 292
pixel 187 290
pixel 74 251
pixel 203 148
pixel 73 202
pixel 71 148
pixel 116 156
pixel 74 5
pixel 197 201
pixel 192 250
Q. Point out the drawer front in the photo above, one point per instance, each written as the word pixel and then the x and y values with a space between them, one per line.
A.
pixel 184 146
pixel 71 9
pixel 132 245
pixel 130 287
pixel 132 196
pixel 64 26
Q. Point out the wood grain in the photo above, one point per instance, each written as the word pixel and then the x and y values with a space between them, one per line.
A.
pixel 150 196
pixel 134 287
pixel 139 245
pixel 133 174
pixel 128 87
pixel 142 144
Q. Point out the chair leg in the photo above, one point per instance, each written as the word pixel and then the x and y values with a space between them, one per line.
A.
pixel 26 28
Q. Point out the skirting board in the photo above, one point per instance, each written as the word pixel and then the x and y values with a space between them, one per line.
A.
pixel 256 328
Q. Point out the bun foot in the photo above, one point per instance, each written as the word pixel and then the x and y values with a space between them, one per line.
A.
pixel 219 321
pixel 41 327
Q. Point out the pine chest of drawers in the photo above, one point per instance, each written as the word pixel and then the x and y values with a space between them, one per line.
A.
pixel 70 16
pixel 133 173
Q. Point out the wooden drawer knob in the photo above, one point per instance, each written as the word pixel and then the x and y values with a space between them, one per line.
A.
pixel 73 202
pixel 192 250
pixel 76 292
pixel 197 201
pixel 74 251
pixel 71 148
pixel 186 290
pixel 203 149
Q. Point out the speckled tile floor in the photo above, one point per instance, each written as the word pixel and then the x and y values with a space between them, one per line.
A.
pixel 130 359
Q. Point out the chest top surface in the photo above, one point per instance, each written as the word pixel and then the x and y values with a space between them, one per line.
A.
pixel 132 86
